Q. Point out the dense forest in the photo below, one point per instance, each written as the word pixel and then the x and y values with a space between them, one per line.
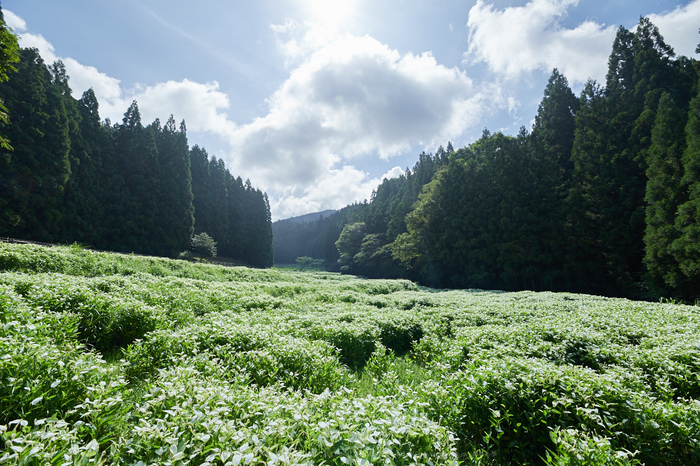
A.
pixel 301 236
pixel 601 196
pixel 66 176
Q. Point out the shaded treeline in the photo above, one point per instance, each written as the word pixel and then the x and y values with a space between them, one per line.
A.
pixel 124 187
pixel 602 196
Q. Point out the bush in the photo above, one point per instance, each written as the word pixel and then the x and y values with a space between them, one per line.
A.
pixel 399 335
pixel 355 341
pixel 204 245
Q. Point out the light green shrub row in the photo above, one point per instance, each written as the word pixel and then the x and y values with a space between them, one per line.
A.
pixel 329 369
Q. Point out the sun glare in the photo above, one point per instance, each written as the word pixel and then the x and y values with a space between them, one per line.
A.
pixel 331 13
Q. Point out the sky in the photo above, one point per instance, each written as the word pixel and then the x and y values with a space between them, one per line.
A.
pixel 317 101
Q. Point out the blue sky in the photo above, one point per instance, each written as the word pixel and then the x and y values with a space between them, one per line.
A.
pixel 317 100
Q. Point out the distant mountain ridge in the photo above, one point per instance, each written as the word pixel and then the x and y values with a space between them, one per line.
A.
pixel 307 218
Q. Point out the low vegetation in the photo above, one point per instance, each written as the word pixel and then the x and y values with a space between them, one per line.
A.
pixel 117 359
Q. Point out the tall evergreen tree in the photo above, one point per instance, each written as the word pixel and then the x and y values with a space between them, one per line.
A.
pixel 219 192
pixel 175 210
pixel 133 225
pixel 612 137
pixel 9 55
pixel 84 200
pixel 553 131
pixel 201 190
pixel 686 248
pixel 552 143
pixel 257 224
pixel 664 194
pixel 34 175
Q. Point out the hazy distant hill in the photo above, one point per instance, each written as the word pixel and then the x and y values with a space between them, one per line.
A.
pixel 312 217
pixel 300 236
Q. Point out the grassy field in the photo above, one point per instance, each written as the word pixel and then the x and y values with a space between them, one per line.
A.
pixel 113 359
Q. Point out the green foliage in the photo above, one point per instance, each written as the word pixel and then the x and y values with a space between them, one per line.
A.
pixel 574 448
pixel 399 334
pixel 8 57
pixel 34 176
pixel 587 202
pixel 8 50
pixel 44 370
pixel 349 244
pixel 216 364
pixel 686 248
pixel 204 245
pixel 126 187
pixel 664 193
pixel 306 261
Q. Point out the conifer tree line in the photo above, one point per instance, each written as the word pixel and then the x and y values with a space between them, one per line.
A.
pixel 602 195
pixel 68 177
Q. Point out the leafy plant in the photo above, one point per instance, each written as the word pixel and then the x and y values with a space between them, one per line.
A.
pixel 204 245
pixel 212 364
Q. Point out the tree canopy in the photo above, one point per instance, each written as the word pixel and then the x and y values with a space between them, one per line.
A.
pixel 600 197
pixel 124 187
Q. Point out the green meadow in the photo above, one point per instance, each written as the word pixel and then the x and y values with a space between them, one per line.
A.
pixel 119 359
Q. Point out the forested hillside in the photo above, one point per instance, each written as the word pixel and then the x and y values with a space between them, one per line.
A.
pixel 602 196
pixel 68 177
pixel 300 236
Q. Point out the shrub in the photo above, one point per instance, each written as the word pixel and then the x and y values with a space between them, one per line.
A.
pixel 355 341
pixel 204 245
pixel 399 335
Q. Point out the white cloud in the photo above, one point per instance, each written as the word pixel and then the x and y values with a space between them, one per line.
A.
pixel 680 28
pixel 519 40
pixel 202 106
pixel 349 96
pixel 15 22
pixel 393 173
pixel 298 42
pixel 82 78
pixel 36 41
pixel 335 190
pixel 354 96
pixel 290 25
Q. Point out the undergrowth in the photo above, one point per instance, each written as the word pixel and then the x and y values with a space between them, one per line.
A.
pixel 118 359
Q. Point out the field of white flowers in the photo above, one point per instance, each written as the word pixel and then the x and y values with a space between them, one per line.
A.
pixel 113 359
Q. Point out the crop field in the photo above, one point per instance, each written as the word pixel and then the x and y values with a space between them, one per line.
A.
pixel 113 359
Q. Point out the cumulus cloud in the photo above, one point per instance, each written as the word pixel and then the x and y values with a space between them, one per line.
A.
pixel 202 106
pixel 347 96
pixel 680 28
pixel 393 173
pixel 355 96
pixel 519 40
pixel 335 190
pixel 82 77
pixel 15 22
